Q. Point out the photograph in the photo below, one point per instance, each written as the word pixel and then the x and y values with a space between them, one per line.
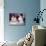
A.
pixel 16 19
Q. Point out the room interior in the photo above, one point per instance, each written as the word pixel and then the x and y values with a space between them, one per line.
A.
pixel 17 35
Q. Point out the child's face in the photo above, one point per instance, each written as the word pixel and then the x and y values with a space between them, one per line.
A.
pixel 13 18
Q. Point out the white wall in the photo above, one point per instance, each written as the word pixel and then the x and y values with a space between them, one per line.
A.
pixel 1 25
pixel 1 21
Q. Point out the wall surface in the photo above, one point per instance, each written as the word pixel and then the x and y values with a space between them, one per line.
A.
pixel 29 7
pixel 1 21
pixel 43 6
pixel 1 24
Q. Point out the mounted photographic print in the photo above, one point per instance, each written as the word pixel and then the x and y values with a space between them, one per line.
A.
pixel 16 19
